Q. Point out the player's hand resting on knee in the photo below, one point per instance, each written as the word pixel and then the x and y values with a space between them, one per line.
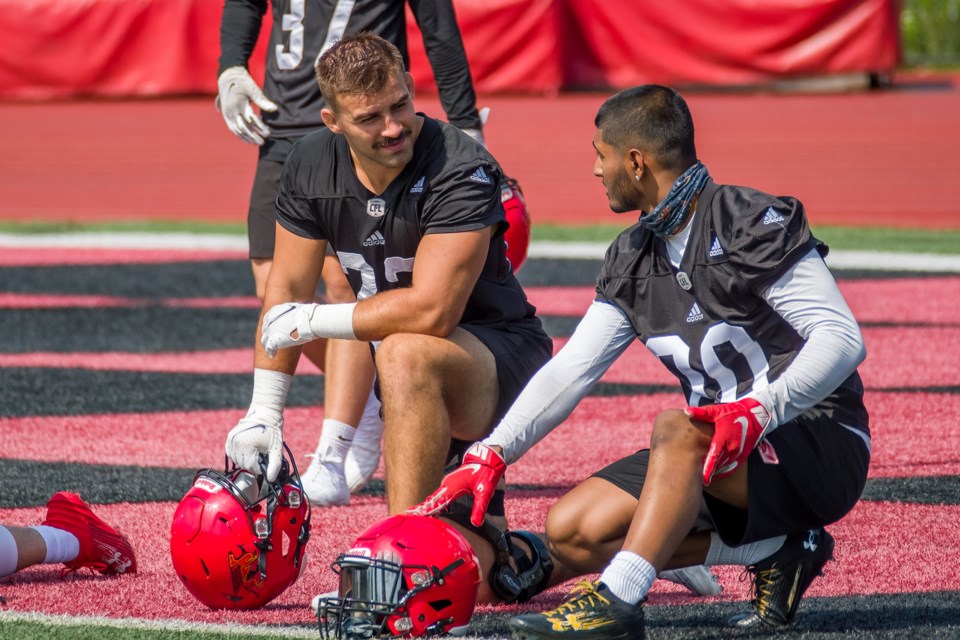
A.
pixel 738 428
pixel 478 476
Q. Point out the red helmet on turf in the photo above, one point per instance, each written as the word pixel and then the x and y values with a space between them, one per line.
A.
pixel 237 541
pixel 405 576
pixel 517 236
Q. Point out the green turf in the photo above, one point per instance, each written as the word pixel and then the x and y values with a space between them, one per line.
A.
pixel 943 241
pixel 65 630
pixel 70 630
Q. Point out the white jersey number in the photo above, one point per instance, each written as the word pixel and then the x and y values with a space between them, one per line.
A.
pixel 355 262
pixel 291 55
pixel 675 349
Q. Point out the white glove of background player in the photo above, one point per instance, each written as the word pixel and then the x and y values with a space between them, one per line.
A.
pixel 293 323
pixel 260 432
pixel 236 90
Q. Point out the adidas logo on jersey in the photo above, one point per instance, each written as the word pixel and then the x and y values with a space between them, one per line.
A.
pixel 418 188
pixel 695 314
pixel 772 217
pixel 480 176
pixel 715 249
pixel 375 239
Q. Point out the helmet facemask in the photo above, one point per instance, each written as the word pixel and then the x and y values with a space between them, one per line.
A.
pixel 383 595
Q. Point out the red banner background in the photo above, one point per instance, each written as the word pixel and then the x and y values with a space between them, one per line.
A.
pixel 68 48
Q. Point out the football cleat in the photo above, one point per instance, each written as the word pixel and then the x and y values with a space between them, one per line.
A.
pixel 698 579
pixel 780 581
pixel 101 547
pixel 590 611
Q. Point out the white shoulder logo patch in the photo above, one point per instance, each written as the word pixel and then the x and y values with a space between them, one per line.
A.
pixel 772 217
pixel 480 176
pixel 418 187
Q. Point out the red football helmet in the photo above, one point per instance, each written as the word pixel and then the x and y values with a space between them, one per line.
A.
pixel 405 576
pixel 517 236
pixel 237 541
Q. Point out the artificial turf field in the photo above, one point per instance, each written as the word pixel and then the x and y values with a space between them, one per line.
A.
pixel 121 371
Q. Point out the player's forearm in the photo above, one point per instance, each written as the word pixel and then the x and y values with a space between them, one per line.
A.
pixel 553 393
pixel 448 60
pixel 239 29
pixel 407 310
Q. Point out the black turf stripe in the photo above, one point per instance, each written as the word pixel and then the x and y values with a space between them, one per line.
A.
pixel 27 483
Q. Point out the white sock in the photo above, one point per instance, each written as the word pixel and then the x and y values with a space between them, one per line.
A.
pixel 629 577
pixel 743 555
pixel 62 546
pixel 9 555
pixel 335 440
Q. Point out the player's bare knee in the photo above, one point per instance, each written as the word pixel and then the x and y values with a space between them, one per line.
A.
pixel 567 539
pixel 672 429
pixel 400 352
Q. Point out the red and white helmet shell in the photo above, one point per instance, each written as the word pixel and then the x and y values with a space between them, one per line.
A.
pixel 517 235
pixel 215 534
pixel 419 549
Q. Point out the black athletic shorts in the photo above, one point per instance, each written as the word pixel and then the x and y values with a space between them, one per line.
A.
pixel 262 214
pixel 819 477
pixel 520 351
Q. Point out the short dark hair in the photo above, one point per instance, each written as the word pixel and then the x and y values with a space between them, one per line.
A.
pixel 651 118
pixel 360 64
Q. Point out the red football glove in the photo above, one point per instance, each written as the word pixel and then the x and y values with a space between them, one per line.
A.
pixel 738 427
pixel 478 475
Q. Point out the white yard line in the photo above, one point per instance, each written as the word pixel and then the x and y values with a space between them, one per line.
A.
pixel 869 260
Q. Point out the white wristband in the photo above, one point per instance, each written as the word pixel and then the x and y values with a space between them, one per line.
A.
pixel 333 321
pixel 270 389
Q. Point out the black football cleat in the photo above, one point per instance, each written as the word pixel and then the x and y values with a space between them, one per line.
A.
pixel 780 581
pixel 590 612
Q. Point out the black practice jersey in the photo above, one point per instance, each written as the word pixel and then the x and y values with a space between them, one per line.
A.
pixel 707 320
pixel 451 184
pixel 303 29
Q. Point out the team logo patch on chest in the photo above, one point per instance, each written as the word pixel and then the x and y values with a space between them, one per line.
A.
pixel 376 207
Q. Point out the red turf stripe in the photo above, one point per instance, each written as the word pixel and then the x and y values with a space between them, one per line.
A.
pixel 223 361
pixel 873 533
pixel 53 301
pixel 623 423
pixel 44 256
pixel 929 300
pixel 144 439
pixel 561 301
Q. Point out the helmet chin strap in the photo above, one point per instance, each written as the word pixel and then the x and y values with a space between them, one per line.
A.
pixel 276 497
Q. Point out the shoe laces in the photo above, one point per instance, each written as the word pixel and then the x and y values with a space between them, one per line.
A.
pixel 764 583
pixel 584 594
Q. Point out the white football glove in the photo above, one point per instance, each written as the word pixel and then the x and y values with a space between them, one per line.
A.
pixel 258 433
pixel 236 90
pixel 477 134
pixel 293 323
